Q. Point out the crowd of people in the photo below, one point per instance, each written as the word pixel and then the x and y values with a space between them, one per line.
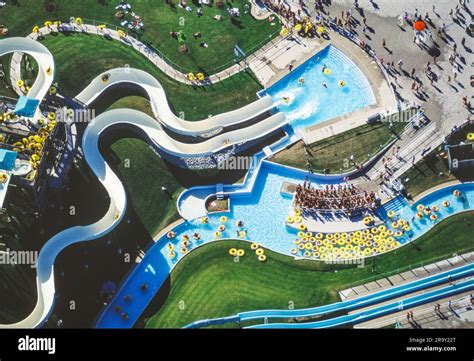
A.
pixel 345 197
pixel 285 11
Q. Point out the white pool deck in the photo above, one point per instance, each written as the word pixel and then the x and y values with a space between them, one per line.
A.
pixel 333 223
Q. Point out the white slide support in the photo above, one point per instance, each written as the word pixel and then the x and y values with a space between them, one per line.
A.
pixel 112 184
pixel 159 103
pixel 45 61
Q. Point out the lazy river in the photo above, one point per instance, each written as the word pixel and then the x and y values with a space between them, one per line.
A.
pixel 263 212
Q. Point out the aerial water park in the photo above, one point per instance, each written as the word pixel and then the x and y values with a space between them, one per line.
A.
pixel 251 165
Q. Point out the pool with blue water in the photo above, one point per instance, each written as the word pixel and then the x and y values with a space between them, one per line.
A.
pixel 263 212
pixel 309 96
pixel 263 208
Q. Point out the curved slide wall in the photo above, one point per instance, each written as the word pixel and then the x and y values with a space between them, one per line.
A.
pixel 47 256
pixel 161 108
pixel 90 144
pixel 162 140
pixel 43 57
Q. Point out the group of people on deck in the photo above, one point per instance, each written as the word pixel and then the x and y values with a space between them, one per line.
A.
pixel 346 197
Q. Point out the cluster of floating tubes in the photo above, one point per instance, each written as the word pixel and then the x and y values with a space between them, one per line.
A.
pixel 424 211
pixel 350 245
pixel 33 144
pixel 260 252
pixel 363 243
pixel 185 243
pixel 242 232
pixel 296 218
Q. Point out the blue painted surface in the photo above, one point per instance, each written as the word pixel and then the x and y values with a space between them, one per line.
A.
pixel 26 107
pixel 153 271
pixel 380 311
pixel 7 159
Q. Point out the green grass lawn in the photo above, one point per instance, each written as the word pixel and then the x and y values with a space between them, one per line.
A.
pixel 208 283
pixel 159 20
pixel 5 88
pixel 80 58
pixel 429 172
pixel 333 153
pixel 133 102
pixel 144 173
pixel 433 169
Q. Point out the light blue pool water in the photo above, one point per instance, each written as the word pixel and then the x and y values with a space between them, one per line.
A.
pixel 311 103
pixel 263 212
pixel 263 209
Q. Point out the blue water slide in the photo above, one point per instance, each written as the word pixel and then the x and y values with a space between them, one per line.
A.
pixel 367 300
pixel 382 310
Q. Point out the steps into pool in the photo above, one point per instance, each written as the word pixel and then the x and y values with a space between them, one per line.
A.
pixel 394 204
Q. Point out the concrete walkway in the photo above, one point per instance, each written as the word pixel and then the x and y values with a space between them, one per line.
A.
pixel 441 101
pixel 271 65
pixel 458 313
pixel 157 60
pixel 453 313
pixel 407 276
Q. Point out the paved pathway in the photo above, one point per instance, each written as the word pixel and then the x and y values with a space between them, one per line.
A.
pixel 406 276
pixel 441 102
pixel 453 313
pixel 157 60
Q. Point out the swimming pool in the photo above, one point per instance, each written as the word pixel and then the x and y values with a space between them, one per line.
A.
pixel 264 209
pixel 263 212
pixel 309 102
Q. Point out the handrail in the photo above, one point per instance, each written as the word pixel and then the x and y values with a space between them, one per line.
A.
pixel 400 270
pixel 150 44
